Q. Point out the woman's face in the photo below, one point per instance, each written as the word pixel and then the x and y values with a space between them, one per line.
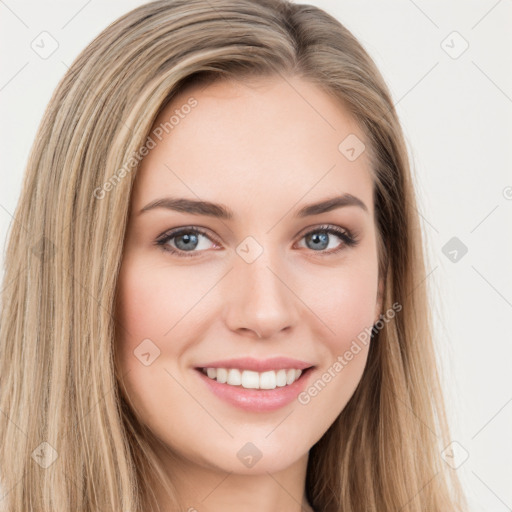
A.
pixel 262 283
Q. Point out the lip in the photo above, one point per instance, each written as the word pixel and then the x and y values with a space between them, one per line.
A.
pixel 257 400
pixel 258 365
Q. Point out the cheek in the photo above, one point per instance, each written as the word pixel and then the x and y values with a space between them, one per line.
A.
pixel 147 309
pixel 344 300
pixel 152 302
pixel 156 316
pixel 144 313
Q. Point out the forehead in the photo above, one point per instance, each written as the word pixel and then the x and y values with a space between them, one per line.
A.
pixel 280 138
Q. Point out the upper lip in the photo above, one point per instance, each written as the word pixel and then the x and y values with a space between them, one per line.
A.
pixel 258 365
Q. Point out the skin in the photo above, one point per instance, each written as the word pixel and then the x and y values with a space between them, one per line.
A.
pixel 263 148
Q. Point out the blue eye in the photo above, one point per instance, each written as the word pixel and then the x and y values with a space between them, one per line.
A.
pixel 319 238
pixel 186 240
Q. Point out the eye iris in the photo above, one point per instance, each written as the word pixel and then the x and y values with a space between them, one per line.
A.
pixel 323 238
pixel 187 238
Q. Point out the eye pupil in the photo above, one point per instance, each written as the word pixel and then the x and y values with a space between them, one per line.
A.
pixel 187 238
pixel 182 241
pixel 323 238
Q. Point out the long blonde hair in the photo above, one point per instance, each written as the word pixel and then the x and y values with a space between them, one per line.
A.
pixel 68 439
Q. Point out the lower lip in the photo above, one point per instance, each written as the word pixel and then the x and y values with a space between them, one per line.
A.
pixel 257 400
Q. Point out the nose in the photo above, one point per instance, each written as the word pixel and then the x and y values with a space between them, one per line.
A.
pixel 259 298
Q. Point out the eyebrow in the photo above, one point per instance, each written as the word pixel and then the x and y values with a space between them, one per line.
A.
pixel 197 207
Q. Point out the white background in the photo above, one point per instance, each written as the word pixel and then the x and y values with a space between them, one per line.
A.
pixel 457 118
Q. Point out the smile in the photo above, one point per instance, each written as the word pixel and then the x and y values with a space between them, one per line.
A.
pixel 249 379
pixel 255 391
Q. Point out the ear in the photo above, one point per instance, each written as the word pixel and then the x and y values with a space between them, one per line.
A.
pixel 379 301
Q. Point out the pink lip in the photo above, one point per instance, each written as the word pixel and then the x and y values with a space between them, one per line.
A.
pixel 257 400
pixel 258 365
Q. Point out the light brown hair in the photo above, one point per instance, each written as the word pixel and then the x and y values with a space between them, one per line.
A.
pixel 57 364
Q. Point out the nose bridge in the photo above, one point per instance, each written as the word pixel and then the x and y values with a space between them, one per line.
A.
pixel 260 299
pixel 261 280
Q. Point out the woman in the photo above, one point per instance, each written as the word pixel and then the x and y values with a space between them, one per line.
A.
pixel 217 294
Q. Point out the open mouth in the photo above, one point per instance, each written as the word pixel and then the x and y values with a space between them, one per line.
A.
pixel 248 379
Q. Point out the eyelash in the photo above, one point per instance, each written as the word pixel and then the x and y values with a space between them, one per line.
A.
pixel 349 240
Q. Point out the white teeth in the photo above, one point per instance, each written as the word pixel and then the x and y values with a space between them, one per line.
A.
pixel 250 380
pixel 268 380
pixel 222 375
pixel 253 380
pixel 281 378
pixel 234 377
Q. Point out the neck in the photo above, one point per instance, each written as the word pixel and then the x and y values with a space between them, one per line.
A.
pixel 205 488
